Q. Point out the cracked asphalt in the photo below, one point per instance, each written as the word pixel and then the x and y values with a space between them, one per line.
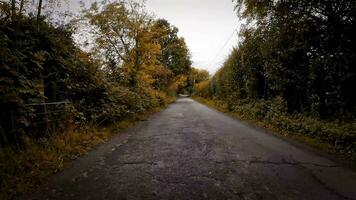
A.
pixel 189 151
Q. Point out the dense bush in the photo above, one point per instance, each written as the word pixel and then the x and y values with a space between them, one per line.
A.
pixel 273 114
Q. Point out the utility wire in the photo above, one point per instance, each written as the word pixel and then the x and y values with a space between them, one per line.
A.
pixel 223 47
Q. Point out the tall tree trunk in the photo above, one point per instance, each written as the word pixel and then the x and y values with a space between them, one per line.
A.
pixel 21 6
pixel 39 9
pixel 13 10
pixel 136 64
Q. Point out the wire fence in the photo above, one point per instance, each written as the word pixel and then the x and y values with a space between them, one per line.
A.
pixel 48 117
pixel 39 120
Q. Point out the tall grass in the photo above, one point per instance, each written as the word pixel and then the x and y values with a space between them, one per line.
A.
pixel 24 169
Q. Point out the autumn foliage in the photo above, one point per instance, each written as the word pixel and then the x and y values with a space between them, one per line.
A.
pixel 112 62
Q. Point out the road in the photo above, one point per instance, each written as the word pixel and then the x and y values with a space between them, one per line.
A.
pixel 189 151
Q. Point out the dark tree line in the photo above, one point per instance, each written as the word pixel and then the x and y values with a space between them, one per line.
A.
pixel 301 50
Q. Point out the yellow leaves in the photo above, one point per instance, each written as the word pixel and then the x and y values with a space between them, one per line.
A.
pixel 148 49
pixel 145 78
pixel 125 37
pixel 198 75
pixel 179 83
pixel 130 40
pixel 40 57
pixel 202 85
pixel 201 89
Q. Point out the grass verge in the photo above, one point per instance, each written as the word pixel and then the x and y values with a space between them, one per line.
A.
pixel 330 137
pixel 24 170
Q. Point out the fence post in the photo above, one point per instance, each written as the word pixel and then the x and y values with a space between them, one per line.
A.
pixel 13 128
pixel 3 136
pixel 46 119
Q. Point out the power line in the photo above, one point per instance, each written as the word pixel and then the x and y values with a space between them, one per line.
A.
pixel 223 47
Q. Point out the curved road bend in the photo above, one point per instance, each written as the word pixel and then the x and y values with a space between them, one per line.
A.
pixel 190 151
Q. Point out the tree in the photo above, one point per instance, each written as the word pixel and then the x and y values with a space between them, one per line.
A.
pixel 124 37
pixel 196 76
pixel 39 10
pixel 306 52
pixel 22 4
pixel 174 51
pixel 13 10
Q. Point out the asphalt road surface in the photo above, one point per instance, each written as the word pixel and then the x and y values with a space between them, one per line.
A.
pixel 189 151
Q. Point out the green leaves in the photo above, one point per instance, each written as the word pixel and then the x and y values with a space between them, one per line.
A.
pixel 174 51
pixel 294 49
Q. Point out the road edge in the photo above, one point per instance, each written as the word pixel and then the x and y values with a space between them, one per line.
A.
pixel 341 159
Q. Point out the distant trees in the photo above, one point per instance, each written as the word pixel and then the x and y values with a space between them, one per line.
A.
pixel 303 51
pixel 185 83
pixel 196 76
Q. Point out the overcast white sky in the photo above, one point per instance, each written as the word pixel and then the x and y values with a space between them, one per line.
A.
pixel 208 26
